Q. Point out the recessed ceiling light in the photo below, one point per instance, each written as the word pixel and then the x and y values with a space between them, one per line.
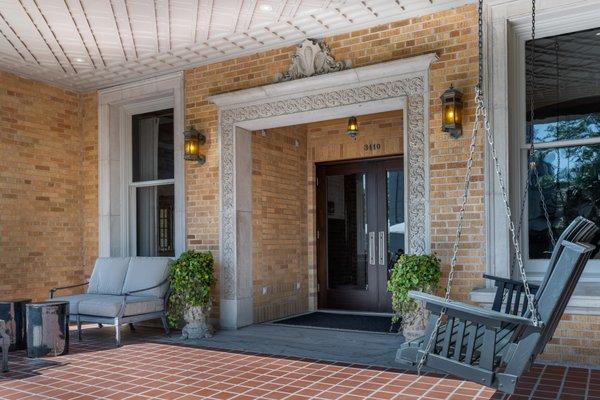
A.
pixel 597 33
pixel 265 7
pixel 79 60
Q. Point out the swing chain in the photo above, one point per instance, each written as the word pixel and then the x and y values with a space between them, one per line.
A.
pixel 511 226
pixel 461 217
pixel 481 111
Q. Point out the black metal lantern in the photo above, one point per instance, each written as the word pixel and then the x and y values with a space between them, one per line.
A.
pixel 352 129
pixel 193 139
pixel 452 112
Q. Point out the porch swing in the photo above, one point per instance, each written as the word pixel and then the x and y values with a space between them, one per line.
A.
pixel 494 347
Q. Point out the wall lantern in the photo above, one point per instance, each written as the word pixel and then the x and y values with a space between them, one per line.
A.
pixel 193 139
pixel 452 112
pixel 352 130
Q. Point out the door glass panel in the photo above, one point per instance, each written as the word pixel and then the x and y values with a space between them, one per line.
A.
pixel 348 242
pixel 395 215
pixel 154 209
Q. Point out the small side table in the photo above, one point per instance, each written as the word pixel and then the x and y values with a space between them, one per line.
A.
pixel 47 328
pixel 13 313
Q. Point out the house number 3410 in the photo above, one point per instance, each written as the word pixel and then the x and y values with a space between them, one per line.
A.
pixel 372 146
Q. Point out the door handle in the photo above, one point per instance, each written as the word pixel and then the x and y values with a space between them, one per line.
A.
pixel 371 248
pixel 382 248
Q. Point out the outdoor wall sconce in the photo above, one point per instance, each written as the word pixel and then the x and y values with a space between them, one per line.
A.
pixel 352 130
pixel 193 139
pixel 452 112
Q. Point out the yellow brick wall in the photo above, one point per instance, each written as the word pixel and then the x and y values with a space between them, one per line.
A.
pixel 40 188
pixel 279 249
pixel 89 180
pixel 451 34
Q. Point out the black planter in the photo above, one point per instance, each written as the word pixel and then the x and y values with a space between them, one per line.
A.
pixel 13 313
pixel 47 328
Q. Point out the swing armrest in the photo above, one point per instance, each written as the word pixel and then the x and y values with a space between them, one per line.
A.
pixel 499 281
pixel 468 312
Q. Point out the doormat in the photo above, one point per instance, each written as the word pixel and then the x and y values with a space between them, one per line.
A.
pixel 354 322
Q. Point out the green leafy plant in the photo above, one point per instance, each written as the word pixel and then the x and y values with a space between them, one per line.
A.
pixel 412 272
pixel 192 276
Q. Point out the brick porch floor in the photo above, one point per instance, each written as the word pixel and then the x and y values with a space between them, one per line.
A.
pixel 149 369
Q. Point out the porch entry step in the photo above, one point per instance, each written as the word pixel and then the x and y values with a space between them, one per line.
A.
pixel 345 320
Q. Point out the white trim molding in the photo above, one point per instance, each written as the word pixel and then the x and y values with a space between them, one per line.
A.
pixel 400 84
pixel 115 109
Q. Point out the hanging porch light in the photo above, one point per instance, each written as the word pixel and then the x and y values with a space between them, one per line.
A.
pixel 193 139
pixel 452 112
pixel 352 129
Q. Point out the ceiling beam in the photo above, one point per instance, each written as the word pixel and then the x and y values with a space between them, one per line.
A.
pixel 87 50
pixel 135 51
pixel 12 45
pixel 19 38
pixel 87 20
pixel 157 37
pixel 37 28
pixel 112 9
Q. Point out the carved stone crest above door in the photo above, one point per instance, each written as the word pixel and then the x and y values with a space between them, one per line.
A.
pixel 312 57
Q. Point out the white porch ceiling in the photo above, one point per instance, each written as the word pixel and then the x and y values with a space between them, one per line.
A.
pixel 90 44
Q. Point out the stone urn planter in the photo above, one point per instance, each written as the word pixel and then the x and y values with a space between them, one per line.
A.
pixel 192 278
pixel 197 326
pixel 414 323
pixel 418 272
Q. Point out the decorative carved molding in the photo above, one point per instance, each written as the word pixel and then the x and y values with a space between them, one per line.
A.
pixel 312 57
pixel 412 88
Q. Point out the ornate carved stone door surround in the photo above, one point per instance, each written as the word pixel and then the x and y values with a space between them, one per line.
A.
pixel 393 85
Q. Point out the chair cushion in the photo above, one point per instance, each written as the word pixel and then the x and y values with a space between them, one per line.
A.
pixel 108 275
pixel 110 306
pixel 145 272
pixel 75 299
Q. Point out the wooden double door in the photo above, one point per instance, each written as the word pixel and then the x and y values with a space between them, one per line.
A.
pixel 360 232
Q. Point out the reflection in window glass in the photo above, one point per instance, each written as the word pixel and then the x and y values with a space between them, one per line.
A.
pixel 155 222
pixel 152 147
pixel 570 181
pixel 567 122
pixel 395 215
pixel 347 236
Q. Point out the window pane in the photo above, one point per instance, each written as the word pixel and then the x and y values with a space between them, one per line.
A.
pixel 395 215
pixel 570 181
pixel 347 237
pixel 153 146
pixel 155 221
pixel 567 81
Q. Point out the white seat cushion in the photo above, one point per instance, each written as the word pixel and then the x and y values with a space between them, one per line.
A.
pixel 108 275
pixel 74 301
pixel 145 272
pixel 110 306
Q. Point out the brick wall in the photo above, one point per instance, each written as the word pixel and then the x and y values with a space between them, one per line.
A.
pixel 89 180
pixel 279 249
pixel 40 188
pixel 451 34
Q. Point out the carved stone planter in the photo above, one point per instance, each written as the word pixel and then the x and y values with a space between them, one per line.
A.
pixel 197 326
pixel 414 324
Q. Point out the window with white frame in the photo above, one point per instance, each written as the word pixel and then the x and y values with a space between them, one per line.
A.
pixel 566 135
pixel 152 184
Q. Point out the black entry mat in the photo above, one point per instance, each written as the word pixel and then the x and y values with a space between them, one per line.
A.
pixel 368 323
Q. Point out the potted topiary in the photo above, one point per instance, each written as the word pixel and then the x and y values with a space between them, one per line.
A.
pixel 412 272
pixel 192 276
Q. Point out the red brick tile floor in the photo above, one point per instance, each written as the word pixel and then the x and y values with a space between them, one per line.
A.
pixel 146 368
